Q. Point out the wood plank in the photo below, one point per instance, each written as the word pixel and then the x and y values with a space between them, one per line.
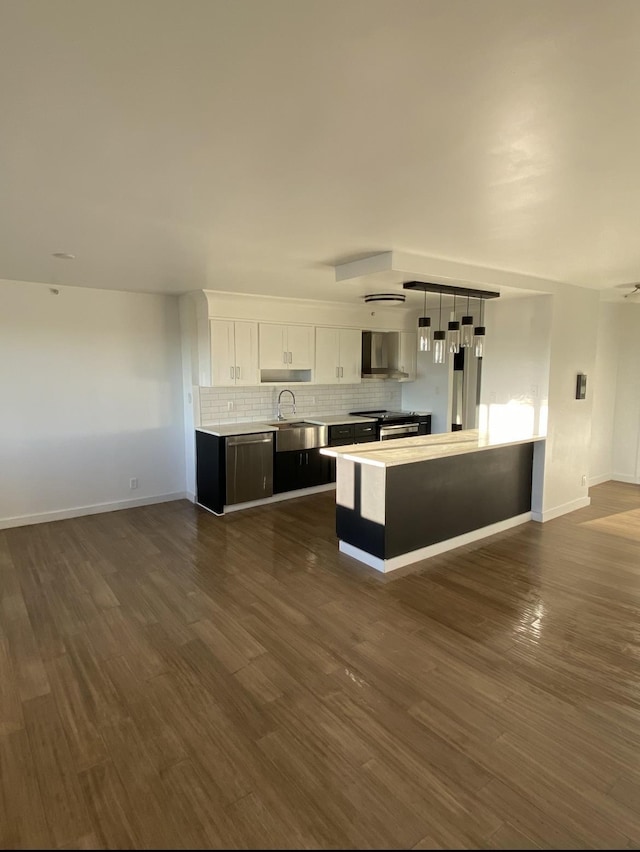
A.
pixel 75 711
pixel 22 819
pixel 108 803
pixel 11 718
pixel 62 798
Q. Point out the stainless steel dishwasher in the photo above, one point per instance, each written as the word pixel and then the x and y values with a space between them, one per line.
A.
pixel 249 462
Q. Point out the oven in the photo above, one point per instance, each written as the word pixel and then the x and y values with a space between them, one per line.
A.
pixel 398 430
pixel 398 424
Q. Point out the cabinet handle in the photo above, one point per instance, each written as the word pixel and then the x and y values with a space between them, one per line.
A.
pixel 284 357
pixel 237 372
pixel 341 372
pixel 290 358
pixel 231 371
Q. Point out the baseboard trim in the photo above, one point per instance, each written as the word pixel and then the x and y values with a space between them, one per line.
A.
pixel 598 480
pixel 95 509
pixel 387 565
pixel 623 477
pixel 564 509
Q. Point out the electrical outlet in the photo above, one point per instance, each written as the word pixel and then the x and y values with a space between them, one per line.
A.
pixel 584 479
pixel 230 406
pixel 133 483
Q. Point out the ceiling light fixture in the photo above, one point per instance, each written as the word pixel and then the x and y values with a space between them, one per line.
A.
pixel 439 340
pixel 453 331
pixel 455 338
pixel 424 329
pixel 479 333
pixel 386 298
pixel 63 255
pixel 466 337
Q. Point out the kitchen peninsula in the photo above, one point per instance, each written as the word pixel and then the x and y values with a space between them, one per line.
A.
pixel 401 501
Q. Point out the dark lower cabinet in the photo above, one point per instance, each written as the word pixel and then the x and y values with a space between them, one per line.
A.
pixel 352 433
pixel 301 469
pixel 210 472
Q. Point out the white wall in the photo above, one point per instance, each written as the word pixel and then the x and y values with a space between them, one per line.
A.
pixel 602 385
pixel 515 374
pixel 626 438
pixel 515 368
pixel 536 346
pixel 91 397
pixel 573 334
pixel 191 360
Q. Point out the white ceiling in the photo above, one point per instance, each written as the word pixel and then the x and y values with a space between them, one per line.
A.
pixel 250 145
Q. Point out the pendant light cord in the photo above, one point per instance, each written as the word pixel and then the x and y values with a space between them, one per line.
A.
pixel 440 314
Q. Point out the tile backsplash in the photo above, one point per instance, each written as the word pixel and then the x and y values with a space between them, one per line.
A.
pixel 259 403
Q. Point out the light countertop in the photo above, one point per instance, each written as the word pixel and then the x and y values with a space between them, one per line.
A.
pixel 425 447
pixel 338 419
pixel 225 430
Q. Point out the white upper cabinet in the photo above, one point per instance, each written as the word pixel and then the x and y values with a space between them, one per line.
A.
pixel 234 353
pixel 273 348
pixel 351 356
pixel 300 340
pixel 286 347
pixel 327 370
pixel 338 356
pixel 408 355
pixel 246 353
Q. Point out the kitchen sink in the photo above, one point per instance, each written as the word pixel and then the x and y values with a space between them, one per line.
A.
pixel 299 435
pixel 290 424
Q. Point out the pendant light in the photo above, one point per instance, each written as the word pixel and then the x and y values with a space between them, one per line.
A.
pixel 453 333
pixel 424 329
pixel 466 337
pixel 439 340
pixel 479 333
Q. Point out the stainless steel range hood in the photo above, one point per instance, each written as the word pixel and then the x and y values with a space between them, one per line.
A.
pixel 380 355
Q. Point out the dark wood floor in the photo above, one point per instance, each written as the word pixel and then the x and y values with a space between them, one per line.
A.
pixel 173 679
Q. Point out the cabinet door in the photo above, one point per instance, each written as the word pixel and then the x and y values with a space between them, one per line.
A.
pixel 300 339
pixel 286 467
pixel 314 469
pixel 408 355
pixel 327 370
pixel 222 352
pixel 350 356
pixel 320 470
pixel 246 363
pixel 273 347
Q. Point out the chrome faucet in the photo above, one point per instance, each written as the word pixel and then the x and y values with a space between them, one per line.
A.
pixel 293 403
